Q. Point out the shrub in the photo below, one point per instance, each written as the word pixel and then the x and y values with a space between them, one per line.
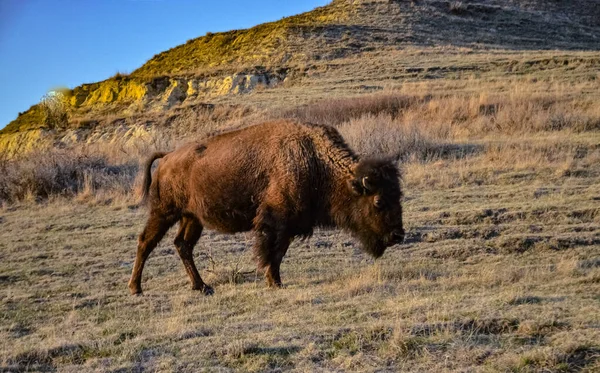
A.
pixel 381 136
pixel 338 111
pixel 54 106
pixel 62 172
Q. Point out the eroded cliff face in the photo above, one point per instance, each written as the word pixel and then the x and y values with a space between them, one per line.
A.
pixel 120 136
pixel 165 92
pixel 120 96
pixel 24 141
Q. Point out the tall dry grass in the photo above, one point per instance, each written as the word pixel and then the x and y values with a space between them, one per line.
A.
pixel 337 111
pixel 63 173
pixel 482 131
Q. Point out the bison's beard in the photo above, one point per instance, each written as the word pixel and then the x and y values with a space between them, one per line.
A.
pixel 372 245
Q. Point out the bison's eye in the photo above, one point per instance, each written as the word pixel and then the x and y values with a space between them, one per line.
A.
pixel 377 202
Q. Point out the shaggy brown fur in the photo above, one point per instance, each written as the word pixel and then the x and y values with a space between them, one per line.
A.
pixel 278 179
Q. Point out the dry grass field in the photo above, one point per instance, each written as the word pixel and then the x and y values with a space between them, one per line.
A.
pixel 500 270
pixel 491 109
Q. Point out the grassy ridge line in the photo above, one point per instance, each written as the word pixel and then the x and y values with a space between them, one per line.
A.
pixel 265 44
pixel 345 28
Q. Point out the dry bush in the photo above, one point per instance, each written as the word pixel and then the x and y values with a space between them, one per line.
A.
pixel 461 116
pixel 62 172
pixel 385 137
pixel 338 111
pixel 517 113
pixel 200 120
pixel 54 107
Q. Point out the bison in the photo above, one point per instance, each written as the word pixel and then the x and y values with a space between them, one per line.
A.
pixel 278 179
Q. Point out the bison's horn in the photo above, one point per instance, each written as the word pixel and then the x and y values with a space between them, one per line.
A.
pixel 364 183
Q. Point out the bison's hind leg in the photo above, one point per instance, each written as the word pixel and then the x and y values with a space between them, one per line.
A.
pixel 189 233
pixel 156 227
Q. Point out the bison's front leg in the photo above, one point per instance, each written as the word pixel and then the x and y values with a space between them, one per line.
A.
pixel 189 233
pixel 272 242
pixel 270 250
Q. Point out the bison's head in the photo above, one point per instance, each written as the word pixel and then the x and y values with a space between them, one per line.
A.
pixel 376 209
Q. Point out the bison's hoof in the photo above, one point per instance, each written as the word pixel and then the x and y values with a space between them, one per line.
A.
pixel 206 290
pixel 134 290
pixel 137 292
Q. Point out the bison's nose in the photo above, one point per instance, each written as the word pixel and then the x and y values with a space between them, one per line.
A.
pixel 398 236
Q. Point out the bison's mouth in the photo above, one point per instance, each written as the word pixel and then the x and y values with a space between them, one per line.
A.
pixel 396 237
pixel 372 246
pixel 376 246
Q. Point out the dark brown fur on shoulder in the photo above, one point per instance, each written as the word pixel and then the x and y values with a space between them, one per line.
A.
pixel 277 179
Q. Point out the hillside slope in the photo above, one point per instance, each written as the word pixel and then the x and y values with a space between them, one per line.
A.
pixel 318 49
pixel 347 27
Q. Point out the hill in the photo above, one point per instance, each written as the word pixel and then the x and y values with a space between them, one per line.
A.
pixel 289 54
pixel 345 28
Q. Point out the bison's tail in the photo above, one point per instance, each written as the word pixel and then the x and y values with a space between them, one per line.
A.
pixel 148 175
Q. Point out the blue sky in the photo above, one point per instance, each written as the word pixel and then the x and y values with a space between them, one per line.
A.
pixel 46 44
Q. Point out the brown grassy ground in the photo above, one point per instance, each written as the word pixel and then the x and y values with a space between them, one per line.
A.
pixel 494 277
pixel 500 272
